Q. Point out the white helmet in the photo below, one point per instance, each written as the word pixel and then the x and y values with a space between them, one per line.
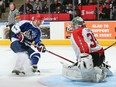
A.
pixel 78 21
pixel 85 62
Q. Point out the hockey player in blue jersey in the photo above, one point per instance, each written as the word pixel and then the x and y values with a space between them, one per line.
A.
pixel 24 33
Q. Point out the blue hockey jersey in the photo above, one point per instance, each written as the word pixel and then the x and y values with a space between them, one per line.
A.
pixel 30 32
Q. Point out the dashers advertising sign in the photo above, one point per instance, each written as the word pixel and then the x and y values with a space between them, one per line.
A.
pixel 101 29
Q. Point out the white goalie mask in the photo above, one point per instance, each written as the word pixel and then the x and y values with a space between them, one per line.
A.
pixel 85 62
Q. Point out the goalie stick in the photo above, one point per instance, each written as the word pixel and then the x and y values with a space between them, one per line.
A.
pixel 60 56
pixel 54 54
pixel 110 46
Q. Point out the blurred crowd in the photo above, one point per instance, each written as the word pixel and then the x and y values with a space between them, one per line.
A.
pixel 106 8
pixel 3 5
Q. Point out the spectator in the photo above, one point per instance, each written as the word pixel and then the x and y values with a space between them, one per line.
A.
pixel 101 2
pixel 7 2
pixel 43 2
pixel 66 2
pixel 37 7
pixel 92 2
pixel 61 1
pixel 98 12
pixel 13 17
pixel 46 7
pixel 59 9
pixel 26 8
pixel 2 7
pixel 114 13
pixel 105 14
pixel 54 6
pixel 114 3
pixel 69 9
pixel 32 2
pixel 84 2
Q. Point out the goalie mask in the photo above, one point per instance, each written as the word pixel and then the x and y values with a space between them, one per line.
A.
pixel 85 62
pixel 78 22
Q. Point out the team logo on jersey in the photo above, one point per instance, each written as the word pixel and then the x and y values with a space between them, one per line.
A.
pixel 30 34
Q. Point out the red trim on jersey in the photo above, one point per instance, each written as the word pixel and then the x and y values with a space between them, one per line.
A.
pixel 100 51
pixel 79 40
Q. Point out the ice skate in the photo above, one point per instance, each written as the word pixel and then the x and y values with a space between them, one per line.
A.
pixel 35 70
pixel 17 72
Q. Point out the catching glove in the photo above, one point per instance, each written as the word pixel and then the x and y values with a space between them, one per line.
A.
pixel 41 47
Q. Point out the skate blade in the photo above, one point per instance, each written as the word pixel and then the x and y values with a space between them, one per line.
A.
pixel 37 72
pixel 22 74
pixel 19 74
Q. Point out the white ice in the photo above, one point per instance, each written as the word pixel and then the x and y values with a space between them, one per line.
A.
pixel 50 66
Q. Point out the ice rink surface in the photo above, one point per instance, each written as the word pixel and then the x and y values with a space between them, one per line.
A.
pixel 51 69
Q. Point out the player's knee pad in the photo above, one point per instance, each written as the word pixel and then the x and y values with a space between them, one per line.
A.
pixel 34 57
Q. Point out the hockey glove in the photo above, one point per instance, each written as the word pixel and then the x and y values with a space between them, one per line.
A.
pixel 41 47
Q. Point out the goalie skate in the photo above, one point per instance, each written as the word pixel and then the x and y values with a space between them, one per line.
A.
pixel 106 68
pixel 17 72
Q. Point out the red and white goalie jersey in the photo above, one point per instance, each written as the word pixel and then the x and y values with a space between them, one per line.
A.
pixel 84 41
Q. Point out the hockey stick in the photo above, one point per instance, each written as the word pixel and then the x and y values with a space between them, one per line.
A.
pixel 54 54
pixel 110 46
pixel 60 56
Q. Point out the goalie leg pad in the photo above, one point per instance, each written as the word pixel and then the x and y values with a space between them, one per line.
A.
pixel 93 75
pixel 89 75
pixel 72 73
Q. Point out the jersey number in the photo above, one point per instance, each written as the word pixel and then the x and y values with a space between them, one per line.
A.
pixel 92 39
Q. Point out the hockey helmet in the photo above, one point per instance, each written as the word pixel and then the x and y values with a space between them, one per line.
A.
pixel 37 20
pixel 77 21
pixel 86 61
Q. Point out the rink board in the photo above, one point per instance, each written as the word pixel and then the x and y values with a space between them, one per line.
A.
pixel 62 42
